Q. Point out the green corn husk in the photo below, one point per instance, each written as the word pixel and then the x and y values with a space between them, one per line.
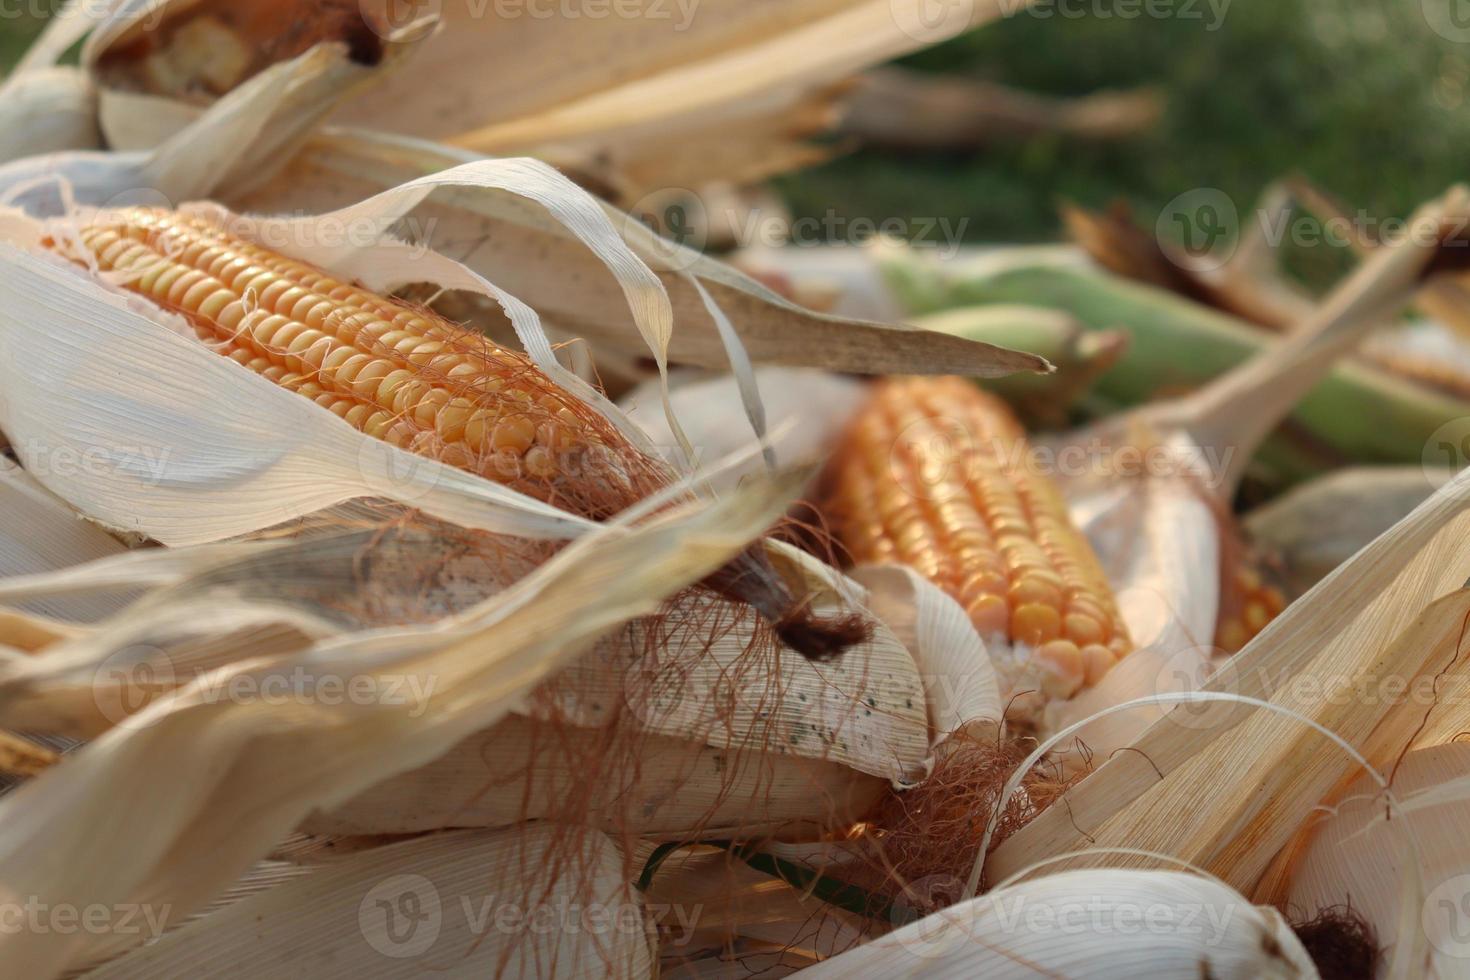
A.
pixel 1358 414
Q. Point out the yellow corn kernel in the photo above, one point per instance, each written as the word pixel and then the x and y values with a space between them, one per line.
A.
pixel 937 474
pixel 398 373
pixel 1248 604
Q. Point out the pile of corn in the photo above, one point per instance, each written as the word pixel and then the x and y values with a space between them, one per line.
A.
pixel 819 712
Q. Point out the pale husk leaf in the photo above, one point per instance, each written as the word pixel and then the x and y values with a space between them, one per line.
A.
pixel 1071 924
pixel 1355 858
pixel 339 921
pixel 47 111
pixel 217 772
pixel 40 534
pixel 1220 784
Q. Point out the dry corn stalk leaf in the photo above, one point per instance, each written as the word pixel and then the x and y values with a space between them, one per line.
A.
pixel 701 671
pixel 457 905
pixel 180 750
pixel 1072 924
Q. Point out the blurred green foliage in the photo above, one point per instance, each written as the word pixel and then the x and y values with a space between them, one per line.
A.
pixel 17 30
pixel 1361 96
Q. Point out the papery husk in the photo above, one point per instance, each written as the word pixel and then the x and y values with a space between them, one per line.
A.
pixel 1111 923
pixel 696 723
pixel 39 533
pixel 1224 784
pixel 603 90
pixel 1321 524
pixel 804 409
pixel 441 904
pixel 656 786
pixel 242 140
pixel 1352 854
pixel 48 110
pixel 229 778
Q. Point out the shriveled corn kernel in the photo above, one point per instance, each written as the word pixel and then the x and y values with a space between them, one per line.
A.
pixel 935 473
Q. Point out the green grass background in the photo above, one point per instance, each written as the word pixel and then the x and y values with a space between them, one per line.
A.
pixel 1362 96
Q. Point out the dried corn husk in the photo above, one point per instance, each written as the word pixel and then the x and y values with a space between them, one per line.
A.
pixel 47 110
pixel 243 139
pixel 612 92
pixel 1110 923
pixel 39 533
pixel 1233 782
pixel 1354 856
pixel 459 904
pixel 179 750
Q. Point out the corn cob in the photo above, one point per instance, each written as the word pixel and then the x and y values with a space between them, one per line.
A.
pixel 936 474
pixel 409 377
